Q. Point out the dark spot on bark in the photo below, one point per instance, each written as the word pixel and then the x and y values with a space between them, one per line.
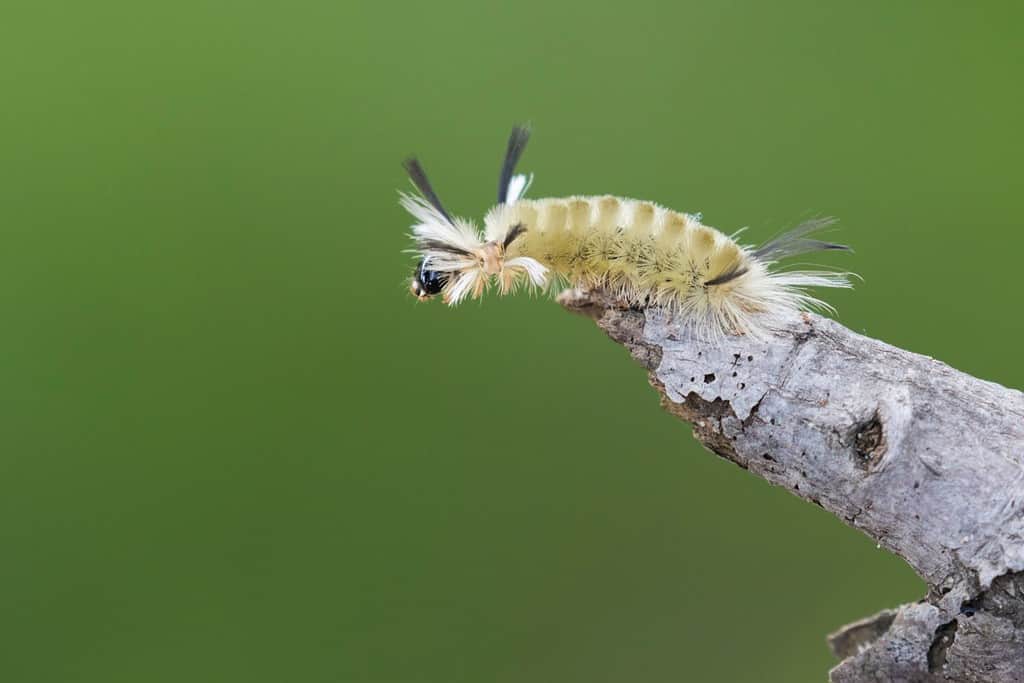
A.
pixel 709 378
pixel 693 379
pixel 945 634
pixel 817 502
pixel 750 358
pixel 768 457
pixel 1002 599
pixel 742 385
pixel 917 484
pixel 868 443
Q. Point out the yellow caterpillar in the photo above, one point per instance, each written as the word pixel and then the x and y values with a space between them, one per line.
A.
pixel 643 253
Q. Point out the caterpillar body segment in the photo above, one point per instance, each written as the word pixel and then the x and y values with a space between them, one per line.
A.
pixel 634 247
pixel 643 253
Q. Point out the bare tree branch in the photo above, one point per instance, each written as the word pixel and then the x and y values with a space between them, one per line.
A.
pixel 926 460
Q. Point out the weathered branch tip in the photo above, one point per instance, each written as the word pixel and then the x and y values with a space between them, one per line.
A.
pixel 924 459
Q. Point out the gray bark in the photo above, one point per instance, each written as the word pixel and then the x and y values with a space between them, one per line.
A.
pixel 926 460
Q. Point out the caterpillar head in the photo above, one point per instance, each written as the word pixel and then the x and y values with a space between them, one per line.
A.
pixel 427 283
pixel 455 260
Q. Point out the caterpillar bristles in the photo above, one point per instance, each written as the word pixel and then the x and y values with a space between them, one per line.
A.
pixel 639 252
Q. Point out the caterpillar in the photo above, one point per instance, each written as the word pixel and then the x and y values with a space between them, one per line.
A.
pixel 642 253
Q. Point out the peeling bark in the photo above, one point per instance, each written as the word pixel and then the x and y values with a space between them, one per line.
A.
pixel 926 460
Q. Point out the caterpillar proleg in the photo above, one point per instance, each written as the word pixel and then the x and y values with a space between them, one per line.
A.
pixel 644 254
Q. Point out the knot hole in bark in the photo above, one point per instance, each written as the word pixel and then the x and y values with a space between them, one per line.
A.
pixel 869 443
pixel 945 635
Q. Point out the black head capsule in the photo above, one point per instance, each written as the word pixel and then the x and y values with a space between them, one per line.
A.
pixel 427 283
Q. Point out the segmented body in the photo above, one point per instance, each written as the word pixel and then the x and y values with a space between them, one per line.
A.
pixel 642 251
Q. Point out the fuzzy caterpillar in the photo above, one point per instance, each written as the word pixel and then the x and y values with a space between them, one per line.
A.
pixel 642 253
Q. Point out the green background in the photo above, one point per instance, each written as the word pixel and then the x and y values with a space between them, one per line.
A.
pixel 235 449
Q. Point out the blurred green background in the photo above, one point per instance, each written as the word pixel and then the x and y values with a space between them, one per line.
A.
pixel 235 449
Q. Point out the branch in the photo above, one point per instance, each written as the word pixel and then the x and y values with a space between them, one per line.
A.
pixel 926 460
